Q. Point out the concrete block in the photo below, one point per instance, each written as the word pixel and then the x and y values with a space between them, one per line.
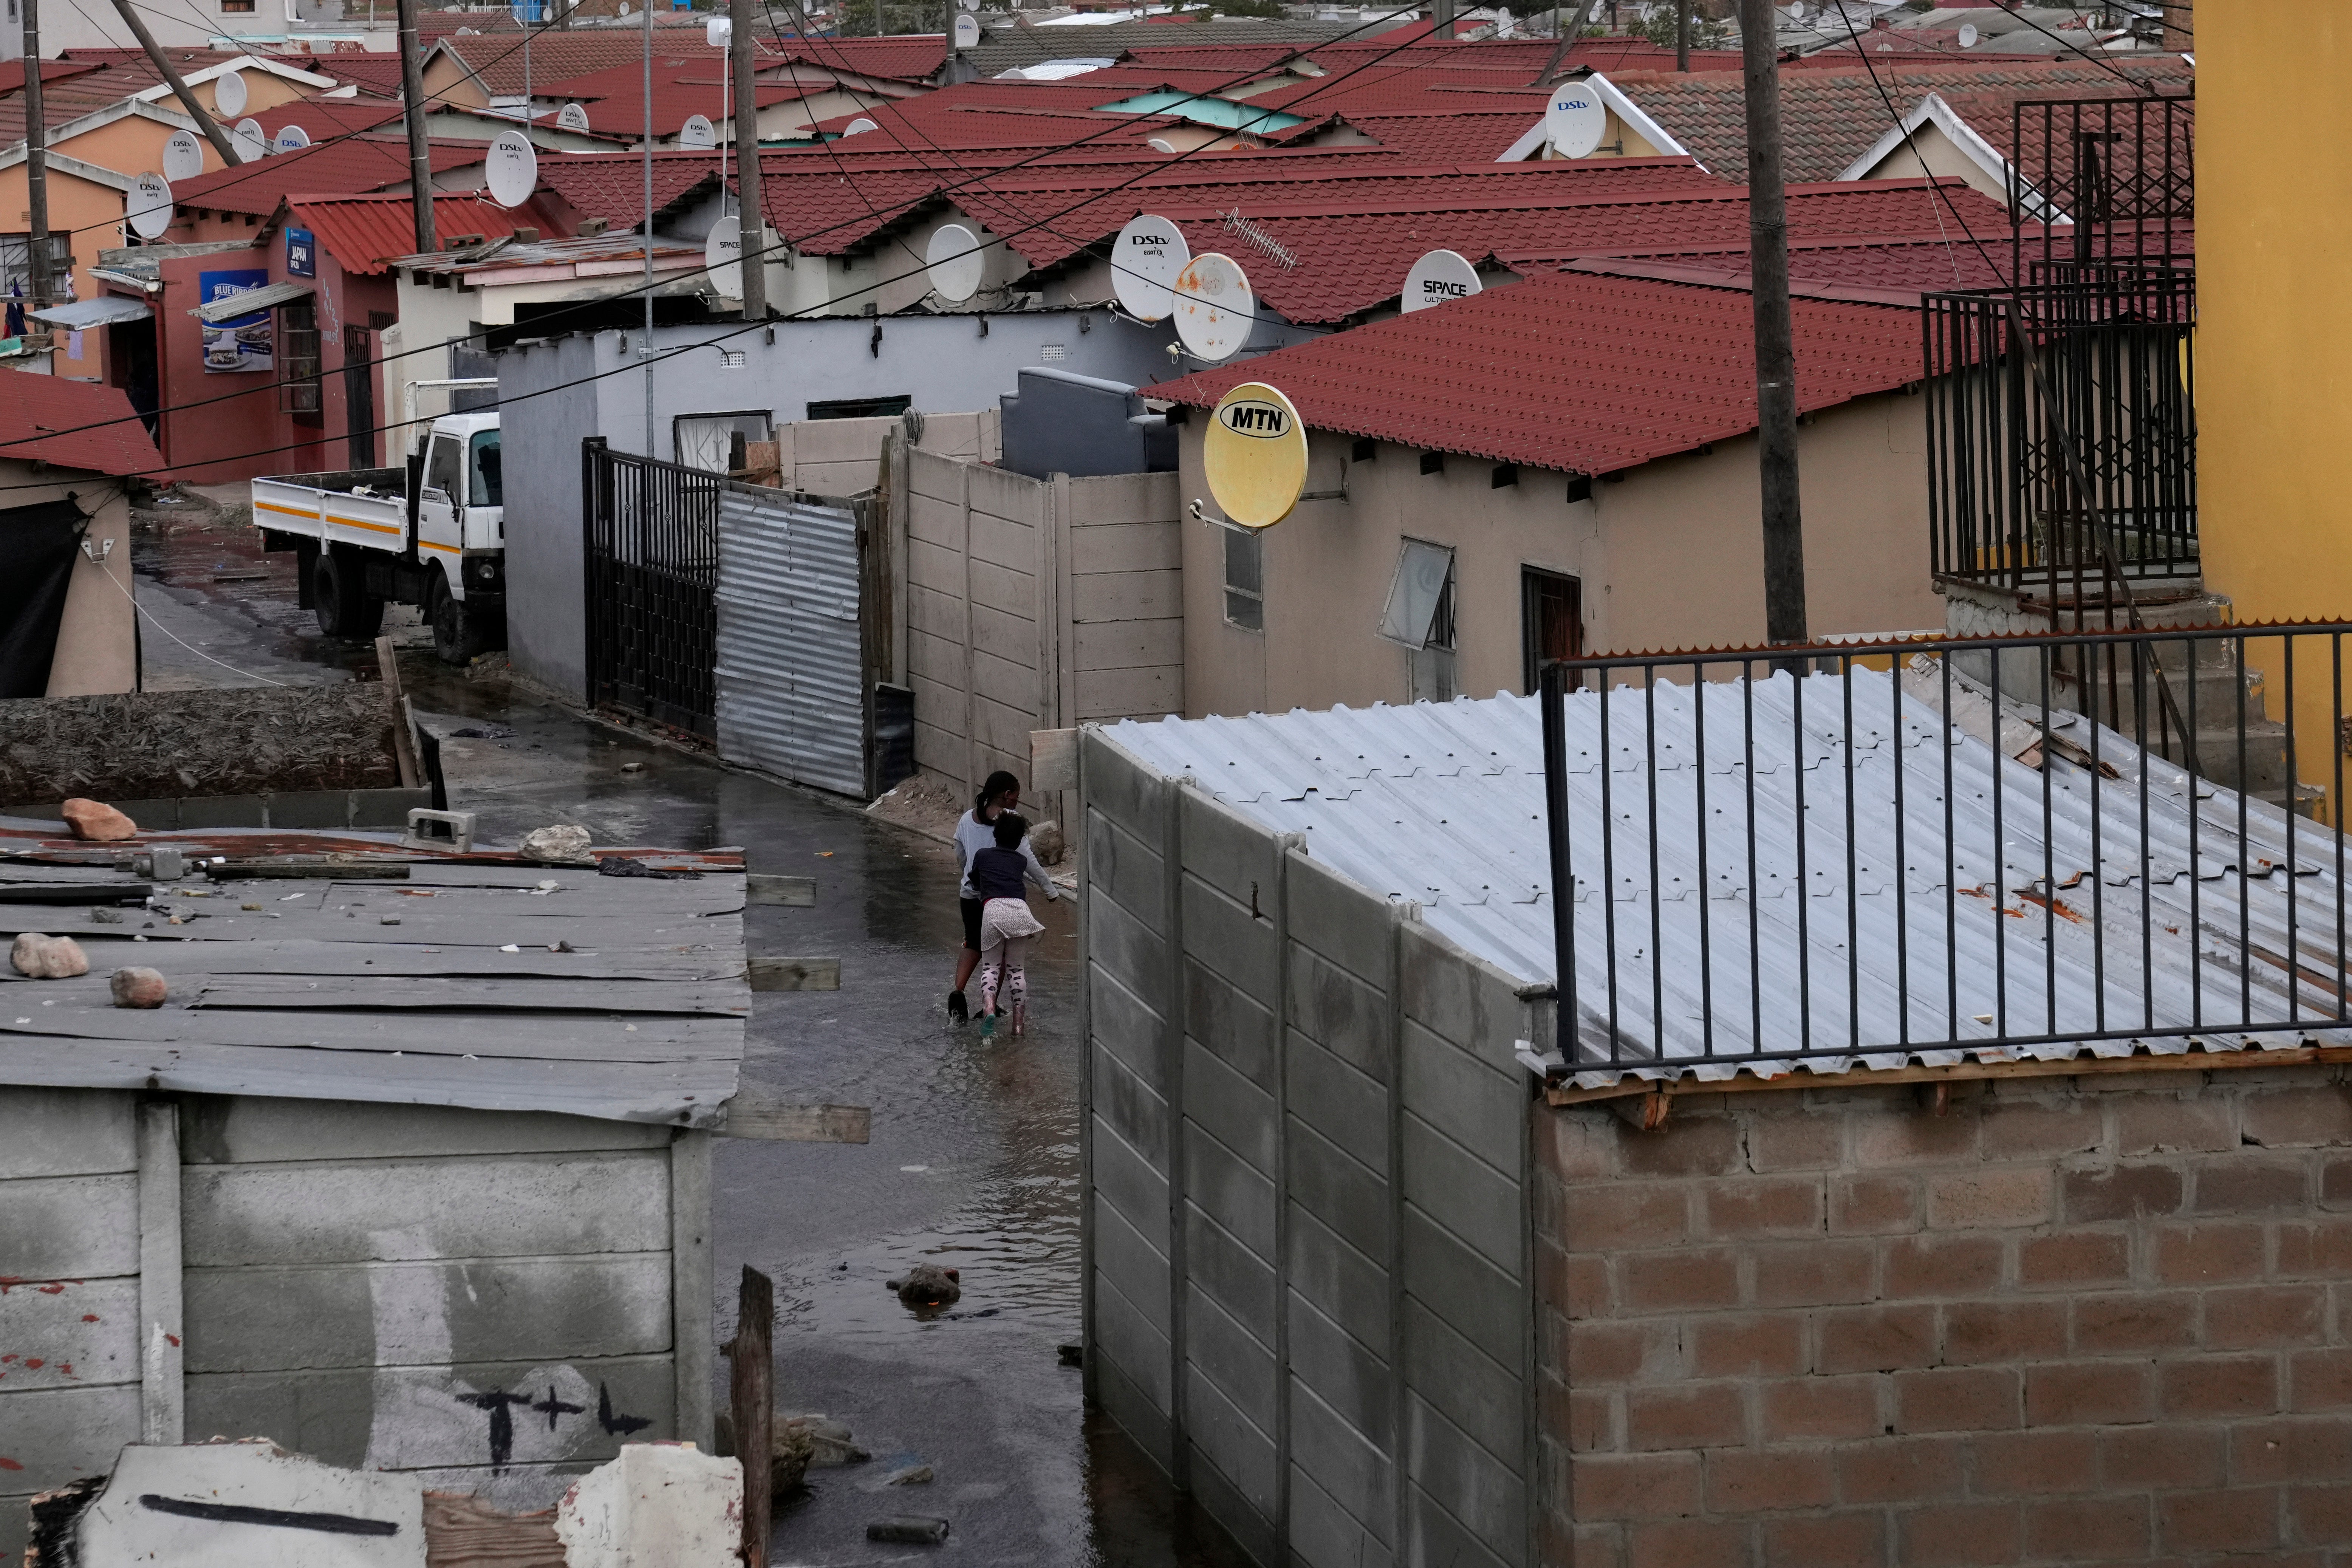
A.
pixel 1432 1534
pixel 658 1505
pixel 220 811
pixel 1127 595
pixel 152 815
pixel 1435 986
pixel 1125 1334
pixel 1234 1026
pixel 1217 1347
pixel 1124 502
pixel 1354 1471
pixel 1338 1191
pixel 1131 1107
pixel 1469 1197
pixel 1227 850
pixel 1470 1388
pixel 1125 1178
pixel 60 1434
pixel 1345 1373
pixel 1476 1106
pixel 244 1129
pixel 1251 1526
pixel 1124 868
pixel 1121 942
pixel 1476 1492
pixel 1132 692
pixel 386 807
pixel 1339 920
pixel 1240 1451
pixel 69 1333
pixel 67 1132
pixel 1122 786
pixel 1223 935
pixel 1125 1026
pixel 1238 1113
pixel 1345 1285
pixel 1241 1281
pixel 1324 1535
pixel 1126 1258
pixel 1228 1190
pixel 1480 1301
pixel 1125 546
pixel 249 1505
pixel 1337 1101
pixel 1346 1015
pixel 320 808
pixel 1125 1403
pixel 72 1227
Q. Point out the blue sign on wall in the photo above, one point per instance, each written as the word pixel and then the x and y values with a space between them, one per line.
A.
pixel 246 343
pixel 301 253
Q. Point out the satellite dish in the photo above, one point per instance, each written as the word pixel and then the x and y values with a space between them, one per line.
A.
pixel 1439 277
pixel 572 117
pixel 1144 261
pixel 1967 34
pixel 512 168
pixel 1575 120
pixel 184 156
pixel 147 205
pixel 697 133
pixel 859 126
pixel 955 261
pixel 228 92
pixel 718 32
pixel 251 141
pixel 722 257
pixel 1255 456
pixel 1215 308
pixel 967 30
pixel 290 138
pixel 969 4
pixel 1797 11
pixel 1160 144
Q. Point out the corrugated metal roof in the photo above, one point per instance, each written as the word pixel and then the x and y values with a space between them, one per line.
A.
pixel 1443 804
pixel 347 166
pixel 365 234
pixel 73 423
pixel 910 58
pixel 1571 371
pixel 460 984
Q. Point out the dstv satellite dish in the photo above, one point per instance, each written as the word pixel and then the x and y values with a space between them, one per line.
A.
pixel 148 206
pixel 572 117
pixel 1144 261
pixel 228 92
pixel 718 32
pixel 967 30
pixel 859 126
pixel 512 168
pixel 1214 307
pixel 1439 278
pixel 722 257
pixel 250 139
pixel 698 134
pixel 1575 120
pixel 955 261
pixel 1967 34
pixel 184 156
pixel 290 138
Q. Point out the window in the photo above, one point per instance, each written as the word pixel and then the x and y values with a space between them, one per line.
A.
pixel 483 466
pixel 441 470
pixel 1551 620
pixel 17 263
pixel 1419 615
pixel 860 408
pixel 297 362
pixel 715 443
pixel 1245 579
pixel 236 7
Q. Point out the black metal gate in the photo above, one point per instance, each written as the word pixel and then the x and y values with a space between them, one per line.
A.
pixel 651 530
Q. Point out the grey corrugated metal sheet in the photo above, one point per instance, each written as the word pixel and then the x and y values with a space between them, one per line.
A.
pixel 1443 804
pixel 791 683
pixel 466 984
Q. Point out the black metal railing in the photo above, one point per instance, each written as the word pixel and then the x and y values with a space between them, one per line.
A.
pixel 2106 179
pixel 2062 440
pixel 651 533
pixel 1915 848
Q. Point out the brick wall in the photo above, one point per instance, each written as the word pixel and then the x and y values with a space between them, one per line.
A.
pixel 2100 1319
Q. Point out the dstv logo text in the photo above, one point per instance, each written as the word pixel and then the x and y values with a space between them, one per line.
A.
pixel 1572 105
pixel 1255 418
pixel 1149 241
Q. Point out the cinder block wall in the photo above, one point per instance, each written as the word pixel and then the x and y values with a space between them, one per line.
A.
pixel 2090 1319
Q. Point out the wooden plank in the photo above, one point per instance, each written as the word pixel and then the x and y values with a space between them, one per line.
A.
pixel 65 1132
pixel 293 956
pixel 793 892
pixel 795 973
pixel 69 1333
pixel 226 923
pixel 461 1531
pixel 311 1316
pixel 750 1358
pixel 712 1037
pixel 406 991
pixel 400 1210
pixel 756 1111
pixel 161 1327
pixel 71 1227
pixel 246 1132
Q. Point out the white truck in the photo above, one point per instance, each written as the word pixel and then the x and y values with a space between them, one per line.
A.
pixel 431 534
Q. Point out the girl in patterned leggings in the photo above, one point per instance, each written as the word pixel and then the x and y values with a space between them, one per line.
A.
pixel 998 875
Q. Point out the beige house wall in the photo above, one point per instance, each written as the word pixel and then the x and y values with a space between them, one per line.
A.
pixel 1936 154
pixel 1670 557
pixel 97 643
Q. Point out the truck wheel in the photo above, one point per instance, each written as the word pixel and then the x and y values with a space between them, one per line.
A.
pixel 339 594
pixel 457 634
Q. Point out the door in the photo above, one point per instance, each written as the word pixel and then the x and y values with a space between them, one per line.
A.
pixel 359 397
pixel 439 526
pixel 1551 608
pixel 131 365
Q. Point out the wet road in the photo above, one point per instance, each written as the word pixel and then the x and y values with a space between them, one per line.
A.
pixel 974 1163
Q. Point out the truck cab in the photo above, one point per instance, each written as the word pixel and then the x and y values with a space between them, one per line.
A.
pixel 461 508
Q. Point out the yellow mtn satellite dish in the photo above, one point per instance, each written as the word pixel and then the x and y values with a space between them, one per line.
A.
pixel 1255 455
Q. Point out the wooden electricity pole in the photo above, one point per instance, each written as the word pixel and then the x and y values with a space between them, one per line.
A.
pixel 36 167
pixel 752 1403
pixel 420 149
pixel 178 84
pixel 754 265
pixel 1775 360
pixel 1681 35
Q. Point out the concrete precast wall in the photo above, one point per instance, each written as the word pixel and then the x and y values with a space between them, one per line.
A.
pixel 1034 605
pixel 1307 1272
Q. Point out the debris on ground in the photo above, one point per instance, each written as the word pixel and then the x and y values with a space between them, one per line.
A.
pixel 622 866
pixel 161 745
pixel 95 822
pixel 1072 1355
pixel 914 1529
pixel 43 957
pixel 559 844
pixel 138 987
pixel 830 1442
pixel 928 1285
pixel 909 1476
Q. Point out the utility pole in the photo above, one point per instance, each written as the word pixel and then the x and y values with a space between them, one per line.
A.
pixel 36 162
pixel 1681 35
pixel 420 149
pixel 1776 359
pixel 753 211
pixel 178 83
pixel 646 350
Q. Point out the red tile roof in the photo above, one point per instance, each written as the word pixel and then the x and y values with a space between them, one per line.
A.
pixel 611 186
pixel 1464 136
pixel 497 59
pixel 1832 117
pixel 1572 371
pixel 379 74
pixel 363 233
pixel 616 103
pixel 914 58
pixel 41 418
pixel 12 72
pixel 326 168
